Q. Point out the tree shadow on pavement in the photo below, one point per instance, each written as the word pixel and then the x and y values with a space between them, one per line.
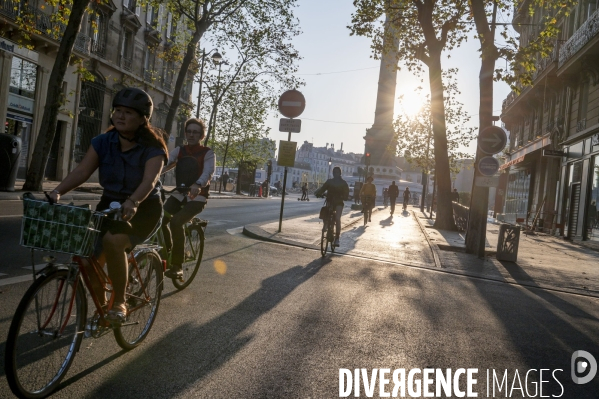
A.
pixel 543 326
pixel 189 353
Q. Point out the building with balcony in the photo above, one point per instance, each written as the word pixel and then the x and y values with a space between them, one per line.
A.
pixel 552 163
pixel 118 44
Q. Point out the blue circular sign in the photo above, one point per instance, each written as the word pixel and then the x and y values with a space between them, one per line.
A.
pixel 488 166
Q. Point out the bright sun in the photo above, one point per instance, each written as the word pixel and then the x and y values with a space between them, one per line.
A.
pixel 410 103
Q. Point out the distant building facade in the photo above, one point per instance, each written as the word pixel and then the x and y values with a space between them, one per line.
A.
pixel 118 45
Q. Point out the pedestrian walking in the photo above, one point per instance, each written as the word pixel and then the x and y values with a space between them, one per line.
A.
pixel 406 197
pixel 225 180
pixel 455 196
pixel 393 192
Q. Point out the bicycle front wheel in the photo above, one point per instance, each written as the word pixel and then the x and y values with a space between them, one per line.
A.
pixel 44 335
pixel 194 249
pixel 142 297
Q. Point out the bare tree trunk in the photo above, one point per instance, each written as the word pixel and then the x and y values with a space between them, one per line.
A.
pixel 43 144
pixel 444 219
pixel 182 75
pixel 477 218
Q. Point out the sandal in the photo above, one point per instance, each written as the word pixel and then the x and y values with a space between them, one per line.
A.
pixel 116 316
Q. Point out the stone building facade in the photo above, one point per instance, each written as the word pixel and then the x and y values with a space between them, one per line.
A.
pixel 119 44
pixel 553 159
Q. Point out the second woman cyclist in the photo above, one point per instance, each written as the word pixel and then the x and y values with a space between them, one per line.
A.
pixel 194 168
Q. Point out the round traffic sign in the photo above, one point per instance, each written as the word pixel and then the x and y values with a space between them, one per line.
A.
pixel 292 103
pixel 488 166
pixel 492 140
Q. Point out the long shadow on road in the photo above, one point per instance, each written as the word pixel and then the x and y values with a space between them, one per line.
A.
pixel 177 362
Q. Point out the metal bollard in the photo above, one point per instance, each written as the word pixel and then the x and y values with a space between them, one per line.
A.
pixel 507 243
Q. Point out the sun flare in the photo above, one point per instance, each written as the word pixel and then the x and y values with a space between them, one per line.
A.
pixel 410 102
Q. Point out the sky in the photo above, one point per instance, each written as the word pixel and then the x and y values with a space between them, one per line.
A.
pixel 350 97
pixel 341 79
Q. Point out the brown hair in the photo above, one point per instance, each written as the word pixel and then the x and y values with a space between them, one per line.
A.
pixel 199 122
pixel 149 135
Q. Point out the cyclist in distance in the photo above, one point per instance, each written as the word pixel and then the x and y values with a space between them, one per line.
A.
pixel 129 157
pixel 194 166
pixel 337 191
pixel 368 195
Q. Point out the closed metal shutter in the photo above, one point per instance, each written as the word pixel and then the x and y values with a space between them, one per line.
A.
pixel 574 207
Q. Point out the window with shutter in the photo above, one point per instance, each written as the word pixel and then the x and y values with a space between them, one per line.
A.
pixel 169 24
pixel 149 14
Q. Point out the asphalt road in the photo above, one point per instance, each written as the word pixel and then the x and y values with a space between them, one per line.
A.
pixel 223 214
pixel 280 322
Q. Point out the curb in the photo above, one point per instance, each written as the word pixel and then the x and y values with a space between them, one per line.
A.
pixel 434 248
pixel 258 233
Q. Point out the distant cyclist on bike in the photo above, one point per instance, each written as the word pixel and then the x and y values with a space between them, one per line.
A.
pixel 129 157
pixel 406 197
pixel 368 196
pixel 194 165
pixel 337 191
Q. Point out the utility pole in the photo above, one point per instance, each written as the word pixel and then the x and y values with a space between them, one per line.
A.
pixel 476 233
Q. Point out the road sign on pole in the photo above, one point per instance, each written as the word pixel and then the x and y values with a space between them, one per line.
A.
pixel 290 125
pixel 292 103
pixel 488 166
pixel 492 140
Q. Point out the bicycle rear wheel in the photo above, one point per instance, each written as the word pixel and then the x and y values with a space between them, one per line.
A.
pixel 45 333
pixel 194 249
pixel 323 242
pixel 143 297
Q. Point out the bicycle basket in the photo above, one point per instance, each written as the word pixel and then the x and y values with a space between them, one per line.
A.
pixel 59 228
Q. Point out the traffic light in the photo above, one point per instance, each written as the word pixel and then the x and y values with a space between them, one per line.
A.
pixel 367 158
pixel 269 166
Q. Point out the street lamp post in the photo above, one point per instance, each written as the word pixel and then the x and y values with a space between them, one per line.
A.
pixel 329 175
pixel 215 56
pixel 218 59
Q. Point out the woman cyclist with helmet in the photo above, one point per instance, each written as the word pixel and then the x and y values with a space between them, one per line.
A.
pixel 195 165
pixel 129 157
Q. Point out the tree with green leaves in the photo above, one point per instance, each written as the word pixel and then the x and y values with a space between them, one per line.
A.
pixel 246 21
pixel 544 18
pixel 73 12
pixel 413 133
pixel 424 29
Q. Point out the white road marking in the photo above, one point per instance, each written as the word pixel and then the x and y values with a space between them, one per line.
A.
pixel 235 231
pixel 15 280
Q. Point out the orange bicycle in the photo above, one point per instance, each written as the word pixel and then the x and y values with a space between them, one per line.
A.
pixel 50 321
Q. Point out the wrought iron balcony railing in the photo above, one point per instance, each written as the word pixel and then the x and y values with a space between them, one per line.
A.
pixel 126 64
pixel 588 30
pixel 82 43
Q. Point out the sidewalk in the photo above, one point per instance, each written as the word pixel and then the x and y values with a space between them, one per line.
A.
pixel 91 192
pixel 543 261
pixel 408 238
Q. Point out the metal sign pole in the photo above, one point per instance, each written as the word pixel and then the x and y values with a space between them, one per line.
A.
pixel 284 188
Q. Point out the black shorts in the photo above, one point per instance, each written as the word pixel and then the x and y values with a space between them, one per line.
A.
pixel 144 222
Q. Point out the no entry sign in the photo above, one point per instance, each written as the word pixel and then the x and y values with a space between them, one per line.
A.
pixel 292 103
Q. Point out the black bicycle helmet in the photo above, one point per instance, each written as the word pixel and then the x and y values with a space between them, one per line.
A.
pixel 135 98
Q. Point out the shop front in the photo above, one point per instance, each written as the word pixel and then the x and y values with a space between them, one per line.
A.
pixel 18 71
pixel 580 192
